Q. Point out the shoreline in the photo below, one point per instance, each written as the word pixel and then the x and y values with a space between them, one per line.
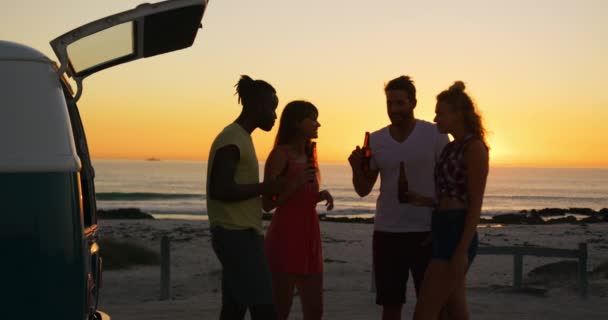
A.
pixel 547 216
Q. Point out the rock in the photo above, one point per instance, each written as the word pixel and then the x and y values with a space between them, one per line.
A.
pixel 568 219
pixel 552 212
pixel 582 211
pixel 534 218
pixel 124 213
pixel 349 220
pixel 593 219
pixel 509 218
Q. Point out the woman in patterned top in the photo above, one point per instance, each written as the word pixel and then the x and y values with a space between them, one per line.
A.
pixel 460 181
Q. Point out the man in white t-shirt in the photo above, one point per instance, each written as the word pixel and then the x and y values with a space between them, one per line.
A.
pixel 401 240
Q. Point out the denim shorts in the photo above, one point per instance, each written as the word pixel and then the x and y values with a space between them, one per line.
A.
pixel 447 228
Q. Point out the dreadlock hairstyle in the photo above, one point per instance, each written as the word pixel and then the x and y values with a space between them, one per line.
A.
pixel 252 92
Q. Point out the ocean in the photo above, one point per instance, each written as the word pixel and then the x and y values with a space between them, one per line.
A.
pixel 177 188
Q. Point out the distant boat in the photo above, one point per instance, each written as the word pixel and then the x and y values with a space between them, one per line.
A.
pixel 153 159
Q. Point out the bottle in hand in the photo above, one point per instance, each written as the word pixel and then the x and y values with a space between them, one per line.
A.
pixel 402 186
pixel 367 153
pixel 312 158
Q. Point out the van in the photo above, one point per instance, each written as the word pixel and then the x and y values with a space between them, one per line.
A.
pixel 50 265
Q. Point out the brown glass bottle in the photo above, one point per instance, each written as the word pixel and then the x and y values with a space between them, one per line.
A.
pixel 312 157
pixel 402 185
pixel 367 153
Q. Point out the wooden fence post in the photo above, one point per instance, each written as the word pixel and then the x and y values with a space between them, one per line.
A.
pixel 165 267
pixel 517 270
pixel 582 270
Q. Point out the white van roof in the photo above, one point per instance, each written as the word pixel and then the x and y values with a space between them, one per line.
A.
pixel 16 51
pixel 35 130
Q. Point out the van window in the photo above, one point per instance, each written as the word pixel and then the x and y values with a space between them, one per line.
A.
pixel 106 45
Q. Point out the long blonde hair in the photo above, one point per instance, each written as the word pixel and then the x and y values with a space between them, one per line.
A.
pixel 461 101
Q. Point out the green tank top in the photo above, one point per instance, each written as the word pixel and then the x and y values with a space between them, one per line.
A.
pixel 246 214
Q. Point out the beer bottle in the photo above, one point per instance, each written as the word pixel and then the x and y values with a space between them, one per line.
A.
pixel 402 186
pixel 367 153
pixel 312 157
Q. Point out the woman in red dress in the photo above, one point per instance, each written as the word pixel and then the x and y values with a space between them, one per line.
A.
pixel 293 239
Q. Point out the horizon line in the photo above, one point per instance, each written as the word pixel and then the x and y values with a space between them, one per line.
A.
pixel 345 162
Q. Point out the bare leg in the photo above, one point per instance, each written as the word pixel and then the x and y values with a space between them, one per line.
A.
pixel 437 286
pixel 457 303
pixel 310 288
pixel 283 285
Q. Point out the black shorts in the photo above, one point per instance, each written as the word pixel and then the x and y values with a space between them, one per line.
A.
pixel 394 256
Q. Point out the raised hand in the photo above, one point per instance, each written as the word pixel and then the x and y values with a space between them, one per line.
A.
pixel 356 158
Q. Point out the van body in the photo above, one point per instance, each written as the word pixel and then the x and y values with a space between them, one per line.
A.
pixel 51 266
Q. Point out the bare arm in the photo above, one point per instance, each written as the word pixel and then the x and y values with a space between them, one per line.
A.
pixel 275 169
pixel 477 161
pixel 363 182
pixel 222 185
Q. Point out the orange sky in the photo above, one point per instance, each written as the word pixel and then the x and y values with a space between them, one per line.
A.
pixel 536 70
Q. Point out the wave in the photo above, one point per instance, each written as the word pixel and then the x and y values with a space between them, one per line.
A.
pixel 121 196
pixel 546 198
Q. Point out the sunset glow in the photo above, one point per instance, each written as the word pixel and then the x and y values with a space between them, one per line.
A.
pixel 536 70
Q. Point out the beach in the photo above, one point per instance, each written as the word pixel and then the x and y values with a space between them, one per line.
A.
pixel 195 273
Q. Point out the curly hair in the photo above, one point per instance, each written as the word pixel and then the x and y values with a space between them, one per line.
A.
pixel 461 101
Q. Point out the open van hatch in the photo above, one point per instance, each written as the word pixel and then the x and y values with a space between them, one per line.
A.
pixel 147 30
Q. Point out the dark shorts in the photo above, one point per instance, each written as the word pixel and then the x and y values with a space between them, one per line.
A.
pixel 447 229
pixel 394 256
pixel 246 278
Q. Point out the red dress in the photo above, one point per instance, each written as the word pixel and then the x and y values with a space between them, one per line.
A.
pixel 293 238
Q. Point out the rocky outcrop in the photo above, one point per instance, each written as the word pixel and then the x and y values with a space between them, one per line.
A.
pixel 123 213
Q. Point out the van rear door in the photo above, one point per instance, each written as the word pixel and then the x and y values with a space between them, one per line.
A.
pixel 146 31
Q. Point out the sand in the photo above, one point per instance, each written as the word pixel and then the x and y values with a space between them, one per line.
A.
pixel 195 274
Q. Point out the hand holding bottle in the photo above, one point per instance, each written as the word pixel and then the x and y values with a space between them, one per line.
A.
pixel 361 156
pixel 367 153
